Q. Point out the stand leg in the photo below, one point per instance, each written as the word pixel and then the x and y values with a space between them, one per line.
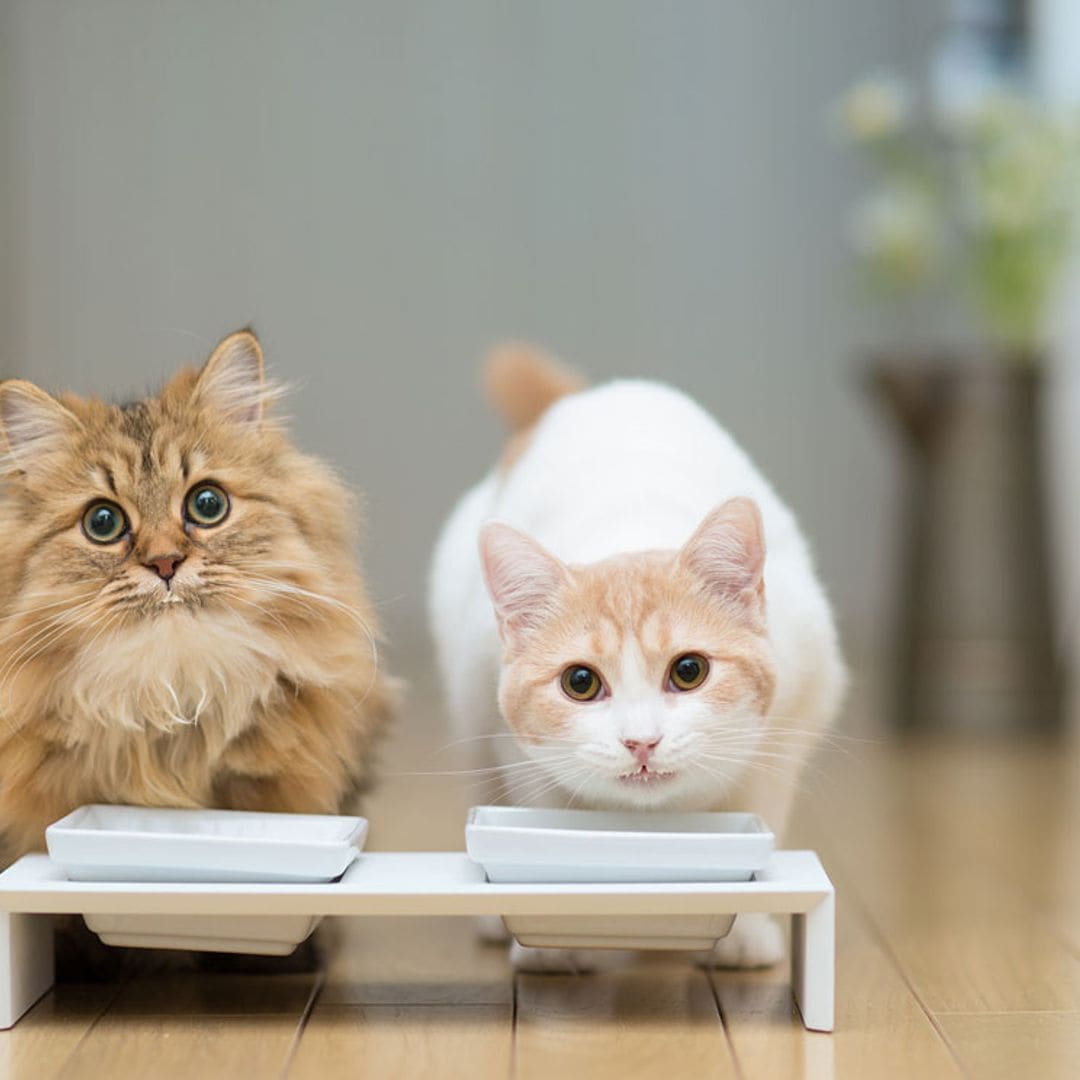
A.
pixel 26 963
pixel 813 964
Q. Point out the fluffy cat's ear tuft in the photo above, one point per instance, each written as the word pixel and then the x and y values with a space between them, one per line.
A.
pixel 32 425
pixel 521 578
pixel 233 380
pixel 727 552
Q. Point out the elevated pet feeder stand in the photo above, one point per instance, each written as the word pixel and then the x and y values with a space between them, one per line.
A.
pixel 417 883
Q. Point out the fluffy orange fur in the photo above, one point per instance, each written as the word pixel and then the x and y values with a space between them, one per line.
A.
pixel 250 680
pixel 523 383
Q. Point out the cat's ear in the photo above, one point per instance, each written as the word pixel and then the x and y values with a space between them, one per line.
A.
pixel 32 425
pixel 522 578
pixel 727 553
pixel 233 380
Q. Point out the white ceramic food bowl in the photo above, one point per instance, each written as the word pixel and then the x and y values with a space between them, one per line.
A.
pixel 134 843
pixel 131 843
pixel 266 935
pixel 525 844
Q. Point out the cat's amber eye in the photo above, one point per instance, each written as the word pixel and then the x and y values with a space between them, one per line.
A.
pixel 206 505
pixel 104 522
pixel 688 672
pixel 581 683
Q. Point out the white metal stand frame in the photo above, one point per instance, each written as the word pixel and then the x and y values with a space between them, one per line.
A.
pixel 417 883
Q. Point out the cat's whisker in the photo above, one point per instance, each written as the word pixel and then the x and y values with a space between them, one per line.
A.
pixel 34 646
pixel 534 792
pixel 548 740
pixel 34 594
pixel 577 791
pixel 839 738
pixel 286 589
pixel 558 784
pixel 751 758
pixel 769 769
pixel 717 774
pixel 37 648
pixel 519 783
pixel 111 620
pixel 544 766
pixel 730 779
pixel 792 745
pixel 48 628
pixel 741 760
pixel 24 612
pixel 522 787
pixel 762 746
pixel 808 747
pixel 295 592
pixel 71 609
pixel 237 598
pixel 308 594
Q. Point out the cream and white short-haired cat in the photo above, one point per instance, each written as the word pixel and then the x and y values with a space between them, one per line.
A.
pixel 629 594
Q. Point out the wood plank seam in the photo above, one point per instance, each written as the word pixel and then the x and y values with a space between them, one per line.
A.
pixel 118 989
pixel 301 1026
pixel 740 1074
pixel 882 940
pixel 514 990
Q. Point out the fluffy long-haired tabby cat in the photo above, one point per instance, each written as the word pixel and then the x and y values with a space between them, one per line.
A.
pixel 651 617
pixel 183 618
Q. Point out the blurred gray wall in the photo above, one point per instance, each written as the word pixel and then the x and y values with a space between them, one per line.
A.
pixel 384 189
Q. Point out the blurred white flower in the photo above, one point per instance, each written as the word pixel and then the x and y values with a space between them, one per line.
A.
pixel 966 117
pixel 985 207
pixel 896 230
pixel 875 108
pixel 1016 167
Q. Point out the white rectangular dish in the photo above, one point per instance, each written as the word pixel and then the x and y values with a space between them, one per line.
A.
pixel 132 843
pixel 529 844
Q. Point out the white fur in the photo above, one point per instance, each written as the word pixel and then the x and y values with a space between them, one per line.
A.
pixel 636 466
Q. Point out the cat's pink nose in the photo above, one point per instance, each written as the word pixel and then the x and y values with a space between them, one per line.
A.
pixel 642 749
pixel 164 565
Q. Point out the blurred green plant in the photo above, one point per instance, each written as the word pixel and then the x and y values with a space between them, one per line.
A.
pixel 986 201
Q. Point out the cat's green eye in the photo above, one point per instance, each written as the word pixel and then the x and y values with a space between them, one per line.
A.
pixel 104 522
pixel 688 672
pixel 581 683
pixel 206 505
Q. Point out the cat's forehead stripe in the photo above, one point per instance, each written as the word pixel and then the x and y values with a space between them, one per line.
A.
pixel 148 444
pixel 103 474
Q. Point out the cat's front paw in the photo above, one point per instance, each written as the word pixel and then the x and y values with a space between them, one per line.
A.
pixel 552 961
pixel 755 941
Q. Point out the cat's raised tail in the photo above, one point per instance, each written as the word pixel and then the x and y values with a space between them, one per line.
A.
pixel 522 382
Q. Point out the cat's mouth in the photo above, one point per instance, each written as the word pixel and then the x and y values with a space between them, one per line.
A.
pixel 185 594
pixel 644 775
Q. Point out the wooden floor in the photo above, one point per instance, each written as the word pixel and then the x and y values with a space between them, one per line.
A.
pixel 957 867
